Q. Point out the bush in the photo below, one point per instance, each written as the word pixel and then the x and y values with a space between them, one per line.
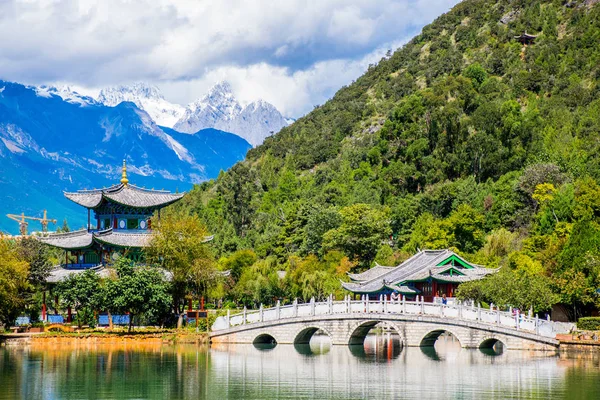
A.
pixel 589 324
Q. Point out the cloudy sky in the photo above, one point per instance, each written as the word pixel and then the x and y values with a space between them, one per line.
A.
pixel 294 54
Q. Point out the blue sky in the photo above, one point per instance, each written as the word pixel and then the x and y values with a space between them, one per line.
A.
pixel 294 54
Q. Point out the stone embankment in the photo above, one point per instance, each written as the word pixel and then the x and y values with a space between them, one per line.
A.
pixel 103 338
pixel 580 341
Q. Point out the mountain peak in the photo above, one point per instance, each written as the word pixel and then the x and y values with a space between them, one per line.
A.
pixel 145 97
pixel 113 95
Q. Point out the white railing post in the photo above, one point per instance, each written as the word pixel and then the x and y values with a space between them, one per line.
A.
pixel 330 300
pixel 295 307
pixel 497 316
pixel 385 304
pixel 312 306
pixel 517 319
pixel 348 305
pixel 479 311
pixel 228 318
pixel 423 305
pixel 278 308
pixel 537 325
pixel 403 304
pixel 442 310
pixel 244 316
pixel 260 313
pixel 460 309
pixel 367 303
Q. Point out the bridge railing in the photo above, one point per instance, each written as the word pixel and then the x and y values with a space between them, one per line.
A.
pixel 459 311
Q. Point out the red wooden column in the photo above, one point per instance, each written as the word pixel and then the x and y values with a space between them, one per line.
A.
pixel 69 315
pixel 44 307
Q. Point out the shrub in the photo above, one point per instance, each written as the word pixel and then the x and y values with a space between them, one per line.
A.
pixel 589 324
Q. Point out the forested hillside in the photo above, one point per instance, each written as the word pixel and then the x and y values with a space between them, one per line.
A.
pixel 463 138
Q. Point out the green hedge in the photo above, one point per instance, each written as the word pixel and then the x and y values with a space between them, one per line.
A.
pixel 589 324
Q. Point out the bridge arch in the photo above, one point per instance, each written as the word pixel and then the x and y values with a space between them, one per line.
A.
pixel 492 346
pixel 304 335
pixel 359 332
pixel 264 338
pixel 432 336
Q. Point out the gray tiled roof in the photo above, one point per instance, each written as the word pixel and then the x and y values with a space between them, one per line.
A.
pixel 128 195
pixel 421 266
pixel 70 240
pixel 370 273
pixel 123 238
pixel 59 274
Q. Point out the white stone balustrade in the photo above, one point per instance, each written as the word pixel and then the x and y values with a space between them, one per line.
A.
pixel 456 311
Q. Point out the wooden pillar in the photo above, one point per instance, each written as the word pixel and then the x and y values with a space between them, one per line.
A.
pixel 202 303
pixel 44 306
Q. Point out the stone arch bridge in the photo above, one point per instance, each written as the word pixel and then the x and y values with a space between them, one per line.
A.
pixel 417 323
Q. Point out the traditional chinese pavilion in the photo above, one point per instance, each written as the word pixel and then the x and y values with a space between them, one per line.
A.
pixel 429 273
pixel 119 223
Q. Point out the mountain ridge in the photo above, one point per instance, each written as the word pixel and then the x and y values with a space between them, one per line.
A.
pixel 218 109
pixel 53 145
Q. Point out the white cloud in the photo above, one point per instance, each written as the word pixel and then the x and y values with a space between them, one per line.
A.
pixel 294 53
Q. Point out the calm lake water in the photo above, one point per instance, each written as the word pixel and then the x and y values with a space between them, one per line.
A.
pixel 380 369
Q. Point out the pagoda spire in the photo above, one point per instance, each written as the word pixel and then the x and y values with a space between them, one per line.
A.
pixel 124 179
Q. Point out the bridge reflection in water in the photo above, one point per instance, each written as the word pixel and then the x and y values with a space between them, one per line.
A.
pixel 378 369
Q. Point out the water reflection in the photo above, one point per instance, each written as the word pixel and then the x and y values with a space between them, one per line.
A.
pixel 319 344
pixel 382 369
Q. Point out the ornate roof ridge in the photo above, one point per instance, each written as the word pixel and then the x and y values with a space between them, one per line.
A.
pixel 58 235
pixel 143 189
pixel 94 191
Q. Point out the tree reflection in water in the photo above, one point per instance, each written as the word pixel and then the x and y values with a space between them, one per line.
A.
pixel 381 368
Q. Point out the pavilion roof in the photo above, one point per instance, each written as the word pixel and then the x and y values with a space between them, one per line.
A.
pixel 80 239
pixel 124 194
pixel 369 274
pixel 59 274
pixel 442 265
pixel 123 238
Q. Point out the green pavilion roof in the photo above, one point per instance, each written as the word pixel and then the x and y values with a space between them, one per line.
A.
pixel 440 265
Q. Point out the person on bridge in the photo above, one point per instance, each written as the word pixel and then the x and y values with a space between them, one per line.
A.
pixel 395 296
pixel 444 299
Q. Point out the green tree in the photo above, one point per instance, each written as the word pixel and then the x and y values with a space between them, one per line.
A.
pixel 13 281
pixel 179 245
pixel 82 292
pixel 36 254
pixel 360 234
pixel 139 291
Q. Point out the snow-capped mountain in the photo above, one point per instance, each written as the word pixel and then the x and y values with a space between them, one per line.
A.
pixel 67 93
pixel 219 109
pixel 145 97
pixel 49 145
